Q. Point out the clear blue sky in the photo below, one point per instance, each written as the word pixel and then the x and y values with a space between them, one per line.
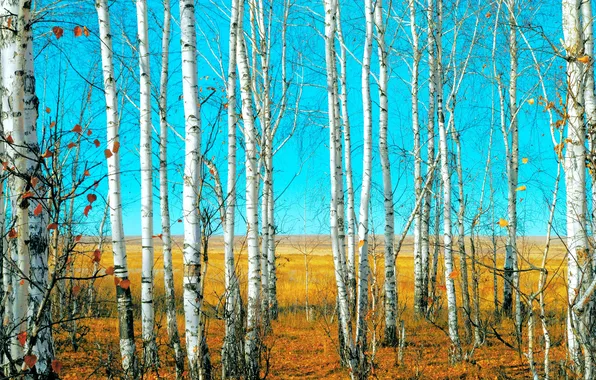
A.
pixel 301 167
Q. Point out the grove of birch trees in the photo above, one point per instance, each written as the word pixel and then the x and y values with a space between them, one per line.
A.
pixel 447 150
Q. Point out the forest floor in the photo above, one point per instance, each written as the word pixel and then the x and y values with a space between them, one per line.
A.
pixel 301 348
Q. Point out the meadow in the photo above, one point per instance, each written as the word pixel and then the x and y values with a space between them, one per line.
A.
pixel 303 343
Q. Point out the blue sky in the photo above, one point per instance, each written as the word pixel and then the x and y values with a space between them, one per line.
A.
pixel 301 167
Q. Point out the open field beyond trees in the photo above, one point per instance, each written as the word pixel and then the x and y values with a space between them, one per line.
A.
pixel 307 348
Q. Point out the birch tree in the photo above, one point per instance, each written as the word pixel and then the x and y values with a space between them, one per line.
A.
pixel 347 139
pixel 575 185
pixel 232 351
pixel 446 179
pixel 147 310
pixel 123 293
pixel 390 288
pixel 347 347
pixel 430 152
pixel 190 206
pixel 43 344
pixel 511 274
pixel 252 228
pixel 172 323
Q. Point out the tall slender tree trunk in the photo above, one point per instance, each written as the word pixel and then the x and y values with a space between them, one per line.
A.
pixel 252 344
pixel 232 349
pixel 168 272
pixel 575 176
pixel 390 335
pixel 123 294
pixel 430 153
pixel 192 175
pixel 351 213
pixel 147 310
pixel 511 274
pixel 363 269
pixel 419 306
pixel 446 178
pixel 43 344
pixel 347 347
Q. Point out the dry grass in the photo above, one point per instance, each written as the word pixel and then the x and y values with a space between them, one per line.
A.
pixel 307 349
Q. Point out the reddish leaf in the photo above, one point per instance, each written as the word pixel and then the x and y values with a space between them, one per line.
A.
pixel 116 147
pixel 116 280
pixel 78 238
pixel 97 257
pixel 77 128
pixel 108 153
pixel 34 181
pixel 22 282
pixel 88 132
pixel 48 110
pixel 110 271
pixel 56 366
pixel 58 32
pixel 48 153
pixel 78 31
pixel 86 31
pixel 87 209
pixel 96 143
pixel 86 173
pixel 12 233
pixel 95 184
pixel 52 124
pixel 52 226
pixel 22 338
pixel 125 284
pixel 38 210
pixel 76 290
pixel 71 145
pixel 27 194
pixel 30 360
pixel 91 198
pixel 9 139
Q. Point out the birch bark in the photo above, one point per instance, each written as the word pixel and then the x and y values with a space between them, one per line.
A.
pixel 147 310
pixel 390 289
pixel 170 295
pixel 232 350
pixel 190 205
pixel 123 296
pixel 252 344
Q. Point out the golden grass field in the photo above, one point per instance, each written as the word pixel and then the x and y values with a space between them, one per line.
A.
pixel 301 348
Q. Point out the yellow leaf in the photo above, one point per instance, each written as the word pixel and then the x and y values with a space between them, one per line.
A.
pixel 584 59
pixel 454 274
pixel 503 222
pixel 531 101
pixel 361 244
pixel 521 188
pixel 525 160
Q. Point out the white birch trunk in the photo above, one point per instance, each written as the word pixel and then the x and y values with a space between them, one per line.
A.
pixel 232 350
pixel 575 173
pixel 43 345
pixel 190 204
pixel 124 298
pixel 351 213
pixel 446 178
pixel 147 310
pixel 13 66
pixel 390 288
pixel 419 301
pixel 363 270
pixel 171 315
pixel 347 347
pixel 252 178
pixel 430 153
pixel 511 275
